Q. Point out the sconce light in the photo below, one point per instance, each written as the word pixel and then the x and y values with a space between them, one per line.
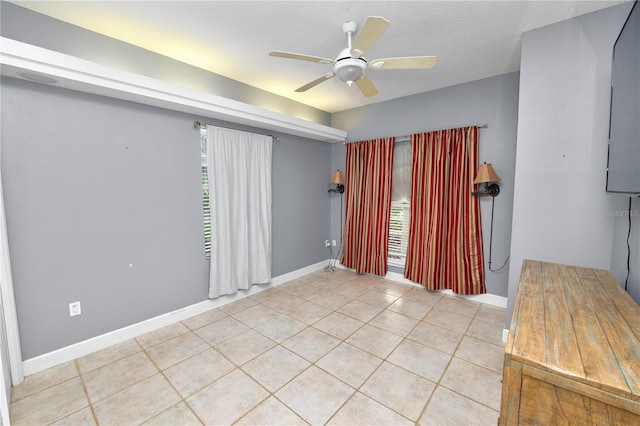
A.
pixel 338 180
pixel 488 176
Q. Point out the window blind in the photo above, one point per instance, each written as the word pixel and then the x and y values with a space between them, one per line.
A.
pixel 206 206
pixel 398 232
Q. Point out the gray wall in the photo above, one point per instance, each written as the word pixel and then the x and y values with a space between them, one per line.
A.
pixel 94 185
pixel 493 101
pixel 560 205
pixel 33 28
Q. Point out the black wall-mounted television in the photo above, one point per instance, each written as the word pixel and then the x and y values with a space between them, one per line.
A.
pixel 623 165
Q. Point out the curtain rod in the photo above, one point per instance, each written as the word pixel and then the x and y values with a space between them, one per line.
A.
pixel 200 124
pixel 405 138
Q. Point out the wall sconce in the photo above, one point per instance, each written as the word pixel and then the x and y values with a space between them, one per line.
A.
pixel 488 176
pixel 338 180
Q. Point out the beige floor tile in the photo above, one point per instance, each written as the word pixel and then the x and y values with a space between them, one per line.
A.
pixel 409 308
pixel 227 399
pixel 50 405
pixel 315 395
pixel 162 334
pixel 436 337
pixel 370 281
pixel 338 325
pixel 311 344
pixel 83 417
pixel 107 355
pixel 177 349
pixel 376 298
pixel 351 289
pixel 284 302
pixel 423 360
pixel 208 317
pixel 244 347
pixel 112 378
pixel 361 409
pixel 331 300
pixel 271 412
pixel 265 295
pixel 486 331
pixel 424 296
pixel 307 293
pixel 238 305
pixel 361 331
pixel 137 403
pixel 349 364
pixel 179 414
pixel 219 331
pixel 448 408
pixel 43 380
pixel 360 310
pixel 293 285
pixel 374 340
pixel 394 323
pixel 195 373
pixel 481 353
pixel 274 368
pixel 477 383
pixel 492 314
pixel 447 319
pixel 281 327
pixel 309 312
pixel 392 288
pixel 459 306
pixel 256 315
pixel 403 391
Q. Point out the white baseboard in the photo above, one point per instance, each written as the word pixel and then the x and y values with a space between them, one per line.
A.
pixel 76 350
pixel 489 299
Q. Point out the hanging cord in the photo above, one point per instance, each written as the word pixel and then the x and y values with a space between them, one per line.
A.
pixel 493 200
pixel 339 252
pixel 333 260
pixel 626 281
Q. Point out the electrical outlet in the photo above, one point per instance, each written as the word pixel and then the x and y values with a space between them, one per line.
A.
pixel 327 243
pixel 74 309
pixel 333 243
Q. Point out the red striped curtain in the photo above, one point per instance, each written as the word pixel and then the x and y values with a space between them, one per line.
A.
pixel 445 234
pixel 368 206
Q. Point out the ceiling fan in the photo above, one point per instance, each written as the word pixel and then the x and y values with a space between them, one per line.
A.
pixel 350 64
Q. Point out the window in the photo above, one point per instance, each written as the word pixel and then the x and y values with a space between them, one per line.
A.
pixel 206 207
pixel 398 232
pixel 400 205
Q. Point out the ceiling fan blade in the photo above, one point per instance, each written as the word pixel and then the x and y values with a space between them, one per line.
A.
pixel 315 82
pixel 368 35
pixel 300 57
pixel 409 62
pixel 366 86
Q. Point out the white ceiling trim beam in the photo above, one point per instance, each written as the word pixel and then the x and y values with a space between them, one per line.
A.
pixel 79 74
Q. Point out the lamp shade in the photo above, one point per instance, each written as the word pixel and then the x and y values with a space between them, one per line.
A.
pixel 486 174
pixel 337 178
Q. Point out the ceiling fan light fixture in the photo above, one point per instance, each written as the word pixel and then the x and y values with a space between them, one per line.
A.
pixel 350 69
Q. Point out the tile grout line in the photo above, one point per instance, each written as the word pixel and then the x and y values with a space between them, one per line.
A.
pixel 341 340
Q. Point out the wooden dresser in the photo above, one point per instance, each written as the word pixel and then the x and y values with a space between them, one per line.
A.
pixel 573 351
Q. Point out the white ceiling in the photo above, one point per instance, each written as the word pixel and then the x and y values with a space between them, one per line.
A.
pixel 472 39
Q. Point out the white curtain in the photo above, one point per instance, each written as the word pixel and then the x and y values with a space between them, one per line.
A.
pixel 239 167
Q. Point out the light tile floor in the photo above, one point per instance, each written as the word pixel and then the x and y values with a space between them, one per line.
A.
pixel 328 348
